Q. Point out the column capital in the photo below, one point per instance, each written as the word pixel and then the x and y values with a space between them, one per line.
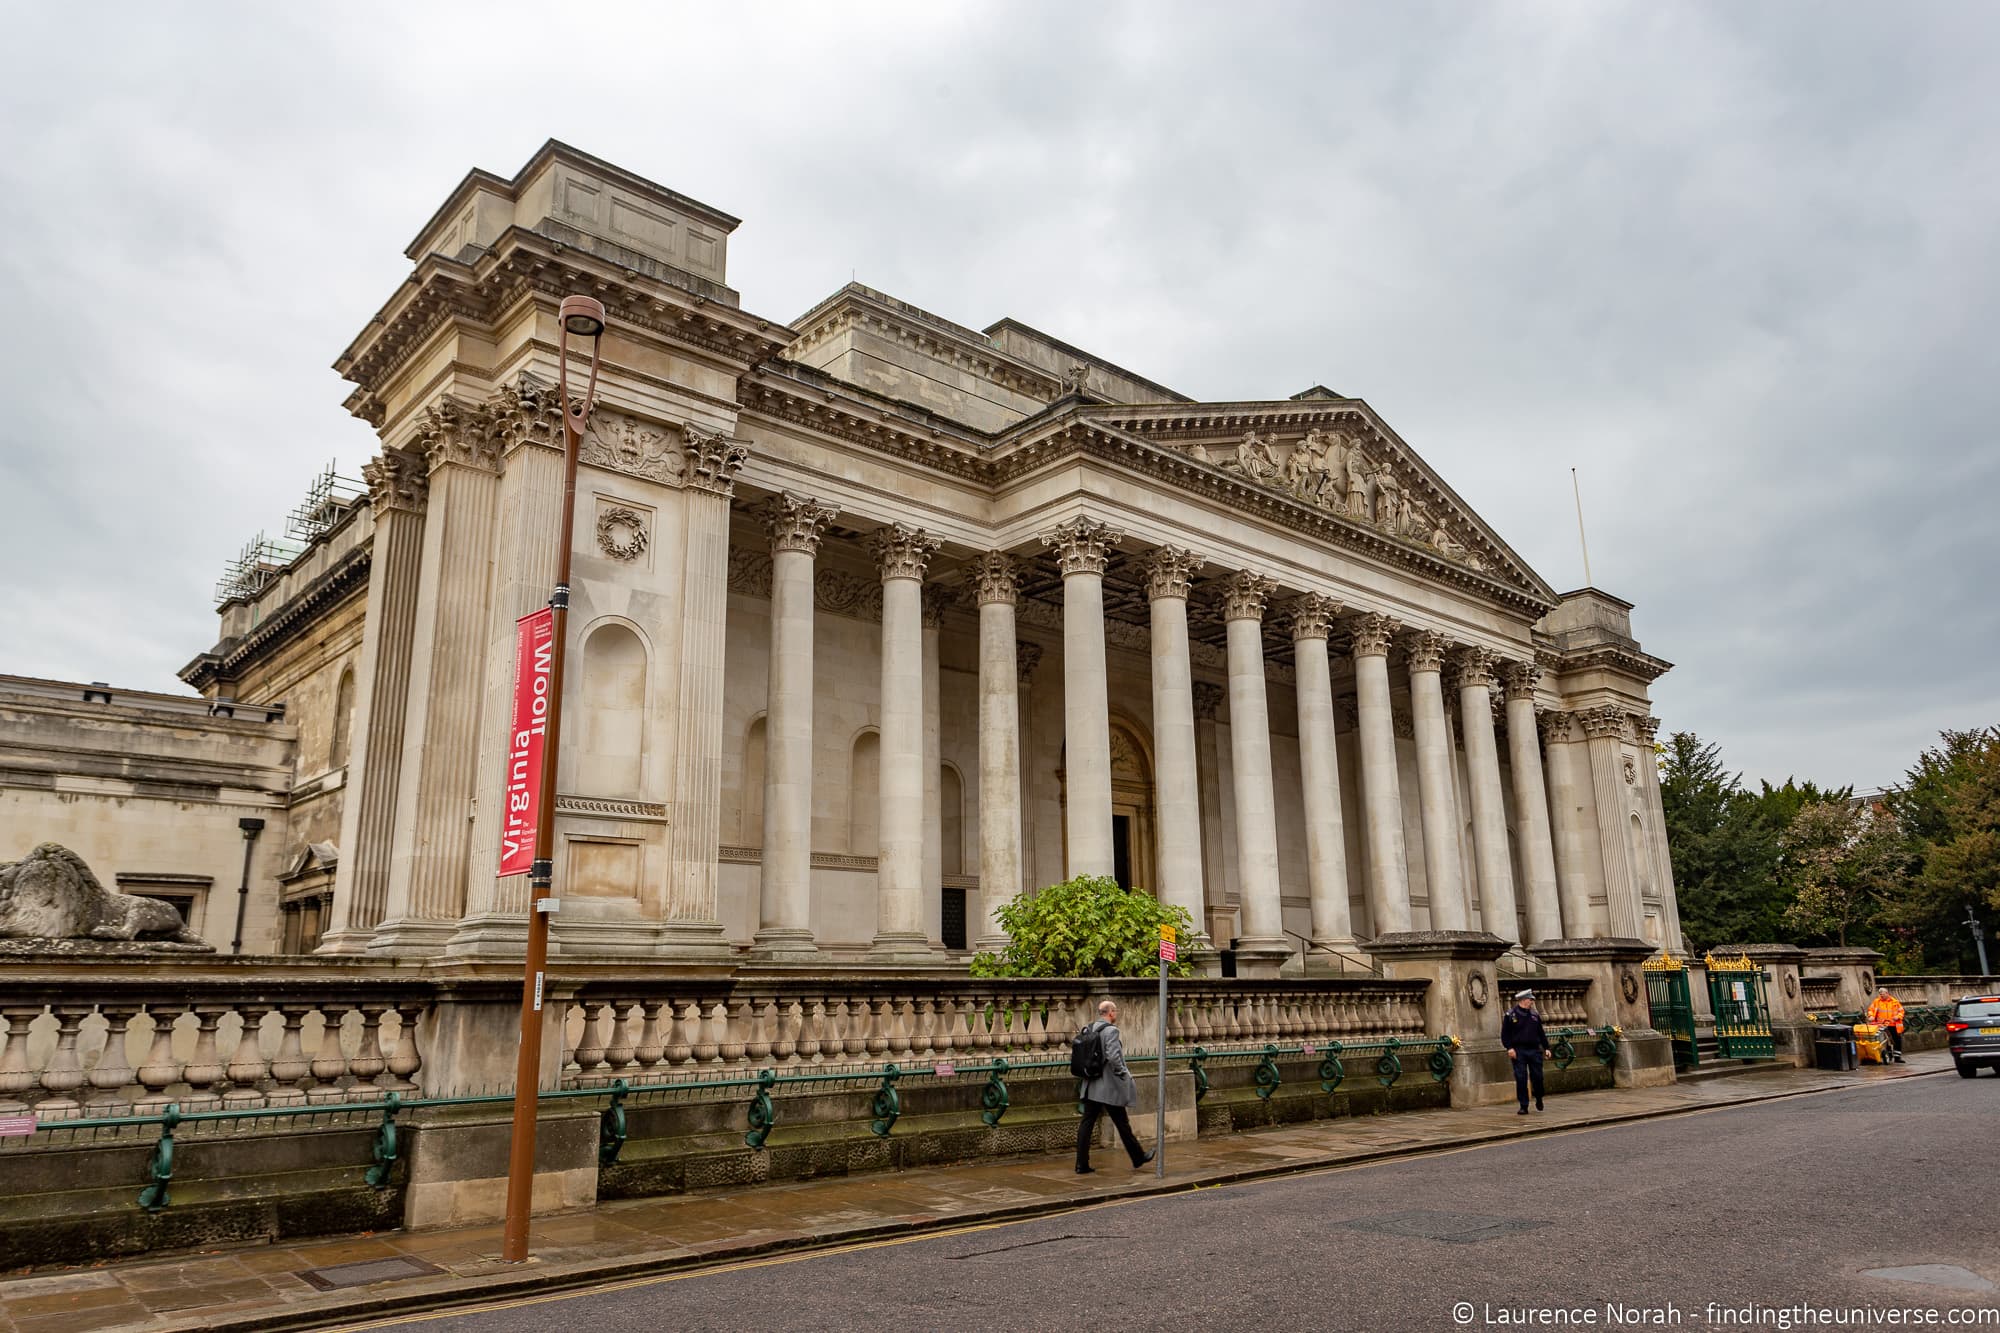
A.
pixel 461 433
pixel 1169 571
pixel 1245 595
pixel 1373 633
pixel 902 552
pixel 1521 678
pixel 397 479
pixel 996 579
pixel 1312 616
pixel 1027 656
pixel 1608 722
pixel 797 523
pixel 1082 545
pixel 1645 727
pixel 1554 724
pixel 1207 700
pixel 1475 667
pixel 1425 649
pixel 713 460
pixel 935 600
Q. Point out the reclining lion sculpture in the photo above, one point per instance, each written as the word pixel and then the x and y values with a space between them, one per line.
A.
pixel 50 894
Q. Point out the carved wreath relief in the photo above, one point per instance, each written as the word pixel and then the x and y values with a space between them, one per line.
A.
pixel 621 533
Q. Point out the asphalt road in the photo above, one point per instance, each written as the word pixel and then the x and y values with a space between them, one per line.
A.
pixel 1763 1205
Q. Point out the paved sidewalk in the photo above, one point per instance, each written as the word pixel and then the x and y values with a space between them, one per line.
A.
pixel 260 1286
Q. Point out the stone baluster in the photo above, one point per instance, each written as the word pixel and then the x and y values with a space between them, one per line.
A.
pixel 791 1028
pixel 651 1051
pixel 735 1031
pixel 405 1060
pixel 680 1047
pixel 369 1062
pixel 840 1026
pixel 63 1075
pixel 620 1051
pixel 16 1078
pixel 589 1053
pixel 205 1067
pixel 161 1070
pixel 763 1031
pixel 112 1077
pixel 709 1050
pixel 329 1065
pixel 290 1069
pixel 247 1066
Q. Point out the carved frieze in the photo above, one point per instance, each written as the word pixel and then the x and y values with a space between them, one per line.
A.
pixel 995 578
pixel 1245 595
pixel 1082 545
pixel 903 552
pixel 846 594
pixel 620 443
pixel 796 523
pixel 1373 633
pixel 749 572
pixel 713 461
pixel 1312 615
pixel 1170 571
pixel 397 479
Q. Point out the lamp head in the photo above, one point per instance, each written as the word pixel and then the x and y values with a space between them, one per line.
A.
pixel 582 315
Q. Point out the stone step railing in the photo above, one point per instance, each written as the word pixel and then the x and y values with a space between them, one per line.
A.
pixel 669 1029
pixel 206 1046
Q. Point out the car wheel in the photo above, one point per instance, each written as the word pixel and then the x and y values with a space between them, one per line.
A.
pixel 1965 1070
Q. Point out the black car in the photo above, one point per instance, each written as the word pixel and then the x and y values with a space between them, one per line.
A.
pixel 1974 1033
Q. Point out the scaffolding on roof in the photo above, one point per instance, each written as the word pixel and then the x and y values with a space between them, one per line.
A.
pixel 328 498
pixel 262 559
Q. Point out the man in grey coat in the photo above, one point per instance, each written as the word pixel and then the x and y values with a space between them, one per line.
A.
pixel 1109 1094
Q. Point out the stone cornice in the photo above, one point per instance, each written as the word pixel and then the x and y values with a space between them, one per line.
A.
pixel 776 393
pixel 227 660
pixel 1626 661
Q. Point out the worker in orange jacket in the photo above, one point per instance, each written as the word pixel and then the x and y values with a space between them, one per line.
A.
pixel 1885 1011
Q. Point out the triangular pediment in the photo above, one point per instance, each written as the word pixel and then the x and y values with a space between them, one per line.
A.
pixel 1337 457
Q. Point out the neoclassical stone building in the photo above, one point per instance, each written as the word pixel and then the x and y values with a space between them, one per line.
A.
pixel 880 620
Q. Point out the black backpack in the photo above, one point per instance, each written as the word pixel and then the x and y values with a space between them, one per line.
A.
pixel 1086 1052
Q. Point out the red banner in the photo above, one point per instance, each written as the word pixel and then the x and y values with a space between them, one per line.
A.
pixel 534 658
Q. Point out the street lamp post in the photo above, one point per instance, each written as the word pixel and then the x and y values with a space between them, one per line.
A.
pixel 584 317
pixel 1978 938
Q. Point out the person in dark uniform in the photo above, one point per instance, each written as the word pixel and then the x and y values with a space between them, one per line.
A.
pixel 1521 1033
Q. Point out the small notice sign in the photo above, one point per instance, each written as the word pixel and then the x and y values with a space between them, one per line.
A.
pixel 16 1126
pixel 945 1069
pixel 1167 951
pixel 1307 1048
pixel 1166 934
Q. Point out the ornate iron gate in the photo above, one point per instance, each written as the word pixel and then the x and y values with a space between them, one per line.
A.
pixel 1742 1009
pixel 1672 1007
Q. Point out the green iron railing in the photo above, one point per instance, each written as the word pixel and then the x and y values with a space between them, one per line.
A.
pixel 1562 1050
pixel 1916 1017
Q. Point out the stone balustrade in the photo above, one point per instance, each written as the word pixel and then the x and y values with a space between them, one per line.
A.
pixel 1563 1002
pixel 1819 994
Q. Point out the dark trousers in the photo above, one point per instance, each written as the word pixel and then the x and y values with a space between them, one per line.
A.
pixel 1896 1040
pixel 1119 1120
pixel 1527 1072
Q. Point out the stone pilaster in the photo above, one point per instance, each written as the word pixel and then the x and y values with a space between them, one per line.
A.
pixel 1177 790
pixel 998 587
pixel 1082 547
pixel 1381 797
pixel 1646 728
pixel 902 554
pixel 932 605
pixel 1574 877
pixel 1218 848
pixel 693 928
pixel 1312 619
pixel 430 850
pixel 1531 804
pixel 1263 947
pixel 1489 810
pixel 785 893
pixel 1606 729
pixel 1444 870
pixel 398 487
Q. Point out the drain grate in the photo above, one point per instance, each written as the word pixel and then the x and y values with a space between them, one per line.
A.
pixel 1455 1228
pixel 368 1271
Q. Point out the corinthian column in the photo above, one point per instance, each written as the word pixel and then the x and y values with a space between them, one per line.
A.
pixel 1444 869
pixel 1381 798
pixel 1262 948
pixel 1082 546
pixel 902 553
pixel 999 746
pixel 1574 878
pixel 1606 729
pixel 1178 792
pixel 1663 862
pixel 693 928
pixel 1531 804
pixel 785 899
pixel 398 485
pixel 1319 769
pixel 1489 808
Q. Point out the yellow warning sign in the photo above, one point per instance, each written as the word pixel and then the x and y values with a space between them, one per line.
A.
pixel 1166 934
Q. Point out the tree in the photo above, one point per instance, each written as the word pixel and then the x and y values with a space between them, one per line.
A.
pixel 1085 927
pixel 1840 859
pixel 1949 809
pixel 1724 854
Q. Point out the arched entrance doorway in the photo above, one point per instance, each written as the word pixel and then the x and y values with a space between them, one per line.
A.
pixel 1132 816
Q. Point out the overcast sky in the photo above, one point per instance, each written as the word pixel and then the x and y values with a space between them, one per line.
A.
pixel 1734 262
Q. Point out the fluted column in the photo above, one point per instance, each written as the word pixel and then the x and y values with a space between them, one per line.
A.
pixel 398 487
pixel 1381 797
pixel 1218 837
pixel 1177 788
pixel 933 602
pixel 1262 947
pixel 1444 868
pixel 1646 728
pixel 1082 547
pixel 429 854
pixel 1567 823
pixel 902 554
pixel 693 928
pixel 998 588
pixel 1319 769
pixel 1489 808
pixel 1606 729
pixel 1531 805
pixel 785 897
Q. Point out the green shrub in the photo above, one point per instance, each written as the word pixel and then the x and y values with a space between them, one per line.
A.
pixel 1086 927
